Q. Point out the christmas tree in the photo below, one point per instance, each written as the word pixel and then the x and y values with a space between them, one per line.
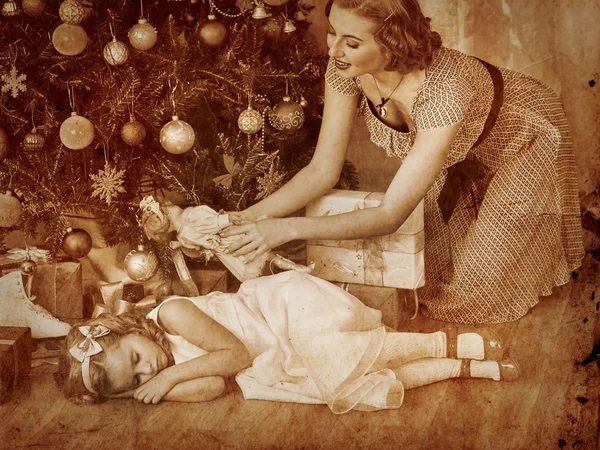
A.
pixel 215 101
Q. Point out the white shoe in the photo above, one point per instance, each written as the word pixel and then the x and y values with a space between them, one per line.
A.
pixel 17 310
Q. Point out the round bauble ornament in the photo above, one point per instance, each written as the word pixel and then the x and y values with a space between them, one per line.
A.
pixel 213 33
pixel 133 132
pixel 177 136
pixel 34 8
pixel 250 121
pixel 116 52
pixel 71 11
pixel 28 267
pixel 33 141
pixel 3 144
pixel 303 102
pixel 76 132
pixel 140 264
pixel 273 27
pixel 276 2
pixel 77 242
pixel 10 9
pixel 287 115
pixel 10 210
pixel 142 35
pixel 69 39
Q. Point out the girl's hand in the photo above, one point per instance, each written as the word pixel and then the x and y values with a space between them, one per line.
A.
pixel 153 390
pixel 256 238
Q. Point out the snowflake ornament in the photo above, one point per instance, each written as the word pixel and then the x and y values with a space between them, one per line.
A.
pixel 14 82
pixel 269 182
pixel 108 184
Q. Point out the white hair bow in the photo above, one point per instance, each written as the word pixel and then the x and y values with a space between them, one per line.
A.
pixel 87 348
pixel 148 204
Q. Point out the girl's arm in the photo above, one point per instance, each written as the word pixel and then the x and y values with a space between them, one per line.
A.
pixel 323 171
pixel 226 354
pixel 415 177
pixel 197 390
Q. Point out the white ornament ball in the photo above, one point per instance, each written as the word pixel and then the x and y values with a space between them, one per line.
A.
pixel 69 39
pixel 71 11
pixel 76 132
pixel 177 136
pixel 142 35
pixel 116 52
pixel 140 264
pixel 250 121
pixel 10 9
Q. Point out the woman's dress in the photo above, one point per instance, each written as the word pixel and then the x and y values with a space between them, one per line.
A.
pixel 492 261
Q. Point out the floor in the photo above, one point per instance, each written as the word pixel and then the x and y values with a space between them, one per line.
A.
pixel 554 405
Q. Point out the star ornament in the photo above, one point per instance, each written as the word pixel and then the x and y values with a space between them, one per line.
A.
pixel 14 82
pixel 108 184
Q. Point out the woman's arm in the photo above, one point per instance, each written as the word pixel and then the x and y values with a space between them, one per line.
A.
pixel 323 171
pixel 415 177
pixel 226 354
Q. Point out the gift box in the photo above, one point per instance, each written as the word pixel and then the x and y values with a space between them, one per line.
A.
pixel 395 260
pixel 208 277
pixel 15 358
pixel 56 286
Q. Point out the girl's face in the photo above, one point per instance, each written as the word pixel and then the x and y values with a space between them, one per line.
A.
pixel 133 361
pixel 351 42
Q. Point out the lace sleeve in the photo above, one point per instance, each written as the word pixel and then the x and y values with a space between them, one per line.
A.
pixel 344 86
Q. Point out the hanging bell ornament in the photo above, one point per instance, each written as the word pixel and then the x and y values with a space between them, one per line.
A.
pixel 72 12
pixel 250 121
pixel 77 242
pixel 260 11
pixel 28 267
pixel 288 26
pixel 177 136
pixel 116 52
pixel 303 102
pixel 142 35
pixel 33 141
pixel 140 264
pixel 287 115
pixel 10 9
pixel 133 132
pixel 76 132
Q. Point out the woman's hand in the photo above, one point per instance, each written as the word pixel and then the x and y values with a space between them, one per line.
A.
pixel 256 238
pixel 153 390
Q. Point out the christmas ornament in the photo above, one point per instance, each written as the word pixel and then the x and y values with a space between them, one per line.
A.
pixel 33 141
pixel 213 33
pixel 276 2
pixel 108 183
pixel 259 11
pixel 250 121
pixel 28 267
pixel 71 11
pixel 69 39
pixel 76 132
pixel 140 264
pixel 34 8
pixel 177 136
pixel 14 82
pixel 288 26
pixel 287 115
pixel 3 144
pixel 272 28
pixel 77 242
pixel 10 9
pixel 142 35
pixel 233 169
pixel 10 210
pixel 133 132
pixel 303 102
pixel 116 52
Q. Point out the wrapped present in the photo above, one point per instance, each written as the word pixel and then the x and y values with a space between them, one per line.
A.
pixel 56 286
pixel 395 260
pixel 15 358
pixel 210 277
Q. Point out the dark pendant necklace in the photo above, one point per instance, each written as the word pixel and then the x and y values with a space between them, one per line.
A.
pixel 381 109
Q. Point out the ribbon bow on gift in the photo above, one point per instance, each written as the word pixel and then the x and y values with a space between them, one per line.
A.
pixel 87 348
pixel 112 296
pixel 33 253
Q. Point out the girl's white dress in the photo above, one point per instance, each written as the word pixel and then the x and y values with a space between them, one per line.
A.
pixel 311 342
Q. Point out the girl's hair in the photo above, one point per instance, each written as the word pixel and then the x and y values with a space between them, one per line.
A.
pixel 403 30
pixel 156 227
pixel 69 377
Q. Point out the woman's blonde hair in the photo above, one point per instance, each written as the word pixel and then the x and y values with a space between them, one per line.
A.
pixel 69 377
pixel 403 30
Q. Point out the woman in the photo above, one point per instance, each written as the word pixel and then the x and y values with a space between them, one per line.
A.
pixel 489 150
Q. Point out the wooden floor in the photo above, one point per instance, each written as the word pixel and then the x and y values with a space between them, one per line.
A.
pixel 554 405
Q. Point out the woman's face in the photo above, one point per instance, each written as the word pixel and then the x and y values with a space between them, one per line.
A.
pixel 133 361
pixel 351 42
